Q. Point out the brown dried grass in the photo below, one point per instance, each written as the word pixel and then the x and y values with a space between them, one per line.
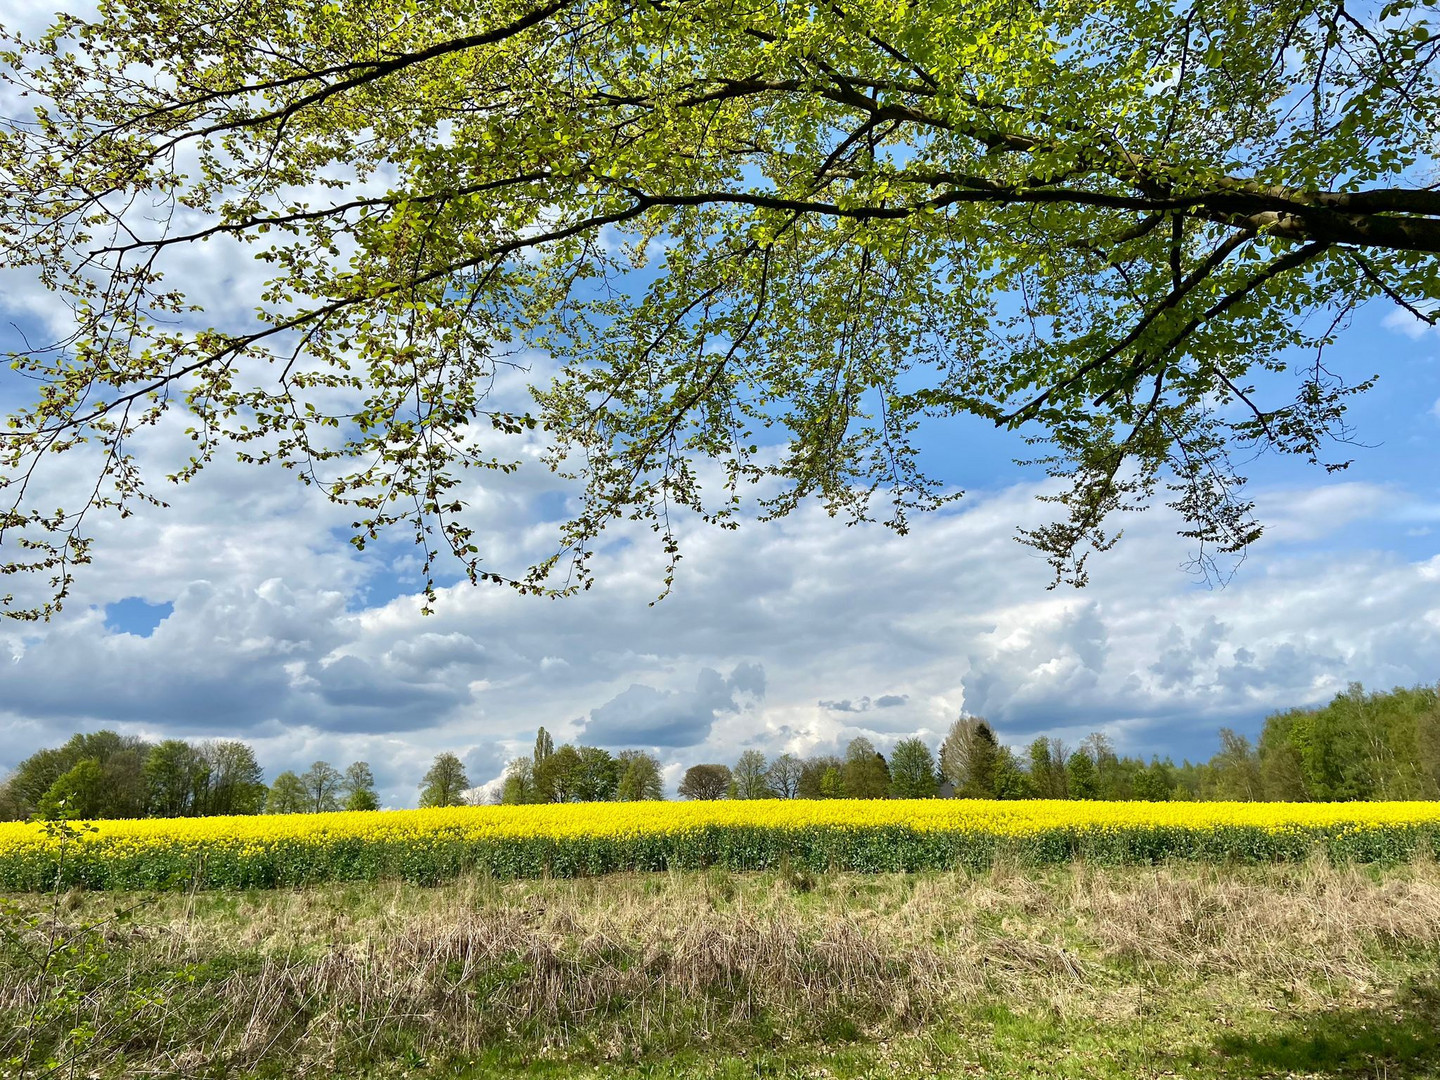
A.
pixel 656 962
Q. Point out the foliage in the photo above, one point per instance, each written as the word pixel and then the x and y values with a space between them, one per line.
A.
pixel 1049 774
pixel 1082 782
pixel 865 774
pixel 570 774
pixel 122 789
pixel 78 794
pixel 234 781
pixel 445 783
pixel 596 777
pixel 704 782
pixel 737 228
pixel 912 770
pixel 749 779
pixel 176 774
pixel 287 795
pixel 1360 746
pixel 639 777
pixel 358 787
pixel 544 746
pixel 117 776
pixel 813 772
pixel 518 785
pixel 970 757
pixel 322 784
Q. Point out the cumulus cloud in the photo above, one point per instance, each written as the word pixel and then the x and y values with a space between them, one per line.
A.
pixel 272 638
pixel 645 716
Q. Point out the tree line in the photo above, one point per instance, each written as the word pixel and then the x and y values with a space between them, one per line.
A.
pixel 1362 745
pixel 580 774
pixel 106 775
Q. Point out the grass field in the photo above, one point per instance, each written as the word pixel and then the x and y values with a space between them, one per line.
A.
pixel 1301 969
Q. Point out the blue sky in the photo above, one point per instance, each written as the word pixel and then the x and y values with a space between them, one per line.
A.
pixel 241 611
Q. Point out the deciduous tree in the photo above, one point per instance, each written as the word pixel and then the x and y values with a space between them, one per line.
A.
pixel 175 775
pixel 704 782
pixel 358 787
pixel 322 787
pixel 812 777
pixel 287 795
pixel 445 783
pixel 912 770
pixel 866 776
pixel 640 778
pixel 783 776
pixel 749 780
pixel 1113 228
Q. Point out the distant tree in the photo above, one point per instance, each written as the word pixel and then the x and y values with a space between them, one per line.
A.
pixel 1112 780
pixel 358 787
pixel 1236 769
pixel 783 776
pixel 34 777
pixel 865 773
pixel 235 783
pixel 121 758
pixel 832 783
pixel 126 795
pixel 982 763
pixel 1155 782
pixel 912 770
pixel 322 787
pixel 445 783
pixel 1059 769
pixel 544 746
pixel 287 795
pixel 557 778
pixel 812 776
pixel 10 809
pixel 748 779
pixel 1010 779
pixel 704 782
pixel 597 775
pixel 1083 784
pixel 518 787
pixel 78 793
pixel 1047 768
pixel 968 757
pixel 639 777
pixel 176 776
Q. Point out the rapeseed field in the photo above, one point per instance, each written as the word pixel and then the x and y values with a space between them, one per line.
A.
pixel 590 838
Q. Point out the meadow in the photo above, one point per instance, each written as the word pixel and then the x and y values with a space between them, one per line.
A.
pixel 817 836
pixel 1206 971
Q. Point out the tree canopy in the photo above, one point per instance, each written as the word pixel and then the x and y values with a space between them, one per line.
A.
pixel 762 238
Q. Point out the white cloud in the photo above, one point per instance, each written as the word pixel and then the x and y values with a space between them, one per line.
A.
pixel 1403 322
pixel 769 630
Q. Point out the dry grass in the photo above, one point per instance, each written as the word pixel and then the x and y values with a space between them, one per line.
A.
pixel 629 966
